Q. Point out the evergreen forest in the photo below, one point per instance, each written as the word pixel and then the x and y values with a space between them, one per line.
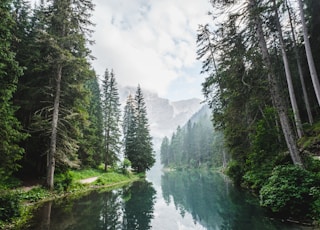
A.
pixel 197 144
pixel 261 59
pixel 262 62
pixel 55 113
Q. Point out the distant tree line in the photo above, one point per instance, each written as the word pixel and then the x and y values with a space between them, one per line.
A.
pixel 54 115
pixel 194 145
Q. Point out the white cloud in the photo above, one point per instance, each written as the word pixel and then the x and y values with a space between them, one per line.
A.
pixel 151 42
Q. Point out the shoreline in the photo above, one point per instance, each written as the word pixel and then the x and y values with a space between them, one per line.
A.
pixel 27 208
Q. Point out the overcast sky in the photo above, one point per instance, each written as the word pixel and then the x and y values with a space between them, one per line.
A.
pixel 151 43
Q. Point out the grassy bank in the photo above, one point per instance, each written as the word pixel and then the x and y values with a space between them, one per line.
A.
pixel 17 202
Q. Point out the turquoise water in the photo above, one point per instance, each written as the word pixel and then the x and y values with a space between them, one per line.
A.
pixel 165 201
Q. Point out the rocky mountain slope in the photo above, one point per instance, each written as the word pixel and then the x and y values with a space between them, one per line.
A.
pixel 164 115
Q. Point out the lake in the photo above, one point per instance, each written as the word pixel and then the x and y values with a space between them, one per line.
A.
pixel 165 201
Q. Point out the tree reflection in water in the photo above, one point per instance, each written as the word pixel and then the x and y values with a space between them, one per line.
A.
pixel 138 209
pixel 213 201
pixel 127 208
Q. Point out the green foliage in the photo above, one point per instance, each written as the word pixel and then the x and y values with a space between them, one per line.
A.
pixel 35 194
pixel 235 171
pixel 311 138
pixel 126 164
pixel 288 192
pixel 194 145
pixel 85 173
pixel 10 150
pixel 9 183
pixel 63 181
pixel 137 139
pixel 9 205
pixel 111 178
pixel 111 117
pixel 264 151
pixel 92 144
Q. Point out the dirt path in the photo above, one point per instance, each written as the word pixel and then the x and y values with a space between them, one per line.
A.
pixel 88 180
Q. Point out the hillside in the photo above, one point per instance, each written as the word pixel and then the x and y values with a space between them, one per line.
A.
pixel 164 115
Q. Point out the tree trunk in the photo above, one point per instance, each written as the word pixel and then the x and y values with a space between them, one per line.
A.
pixel 224 162
pixel 107 151
pixel 312 69
pixel 275 89
pixel 304 89
pixel 53 141
pixel 292 95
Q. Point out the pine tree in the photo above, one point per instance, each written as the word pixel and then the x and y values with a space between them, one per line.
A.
pixel 10 151
pixel 92 144
pixel 129 128
pixel 62 39
pixel 275 90
pixel 137 138
pixel 145 158
pixel 165 151
pixel 111 115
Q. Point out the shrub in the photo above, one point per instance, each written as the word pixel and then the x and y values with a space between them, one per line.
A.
pixel 288 191
pixel 63 181
pixel 126 164
pixel 9 205
pixel 235 171
pixel 35 194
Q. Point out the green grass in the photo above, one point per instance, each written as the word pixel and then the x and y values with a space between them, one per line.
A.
pixel 113 177
pixel 70 186
pixel 86 173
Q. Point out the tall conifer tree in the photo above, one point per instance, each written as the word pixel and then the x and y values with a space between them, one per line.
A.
pixel 129 128
pixel 137 138
pixel 92 144
pixel 68 69
pixel 111 113
pixel 10 135
pixel 145 157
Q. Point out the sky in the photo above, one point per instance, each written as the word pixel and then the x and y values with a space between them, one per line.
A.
pixel 151 43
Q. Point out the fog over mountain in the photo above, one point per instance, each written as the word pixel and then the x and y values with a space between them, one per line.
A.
pixel 164 115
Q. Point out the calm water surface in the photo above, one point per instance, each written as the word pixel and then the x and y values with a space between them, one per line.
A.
pixel 165 201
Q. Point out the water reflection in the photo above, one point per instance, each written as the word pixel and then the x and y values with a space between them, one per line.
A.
pixel 138 209
pixel 175 200
pixel 127 208
pixel 213 202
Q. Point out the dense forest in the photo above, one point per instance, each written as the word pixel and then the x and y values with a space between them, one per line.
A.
pixel 194 145
pixel 261 59
pixel 55 114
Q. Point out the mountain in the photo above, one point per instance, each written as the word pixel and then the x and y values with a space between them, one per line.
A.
pixel 204 111
pixel 164 115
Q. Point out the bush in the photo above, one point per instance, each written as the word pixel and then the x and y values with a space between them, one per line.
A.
pixel 9 205
pixel 126 164
pixel 255 179
pixel 35 194
pixel 63 181
pixel 288 191
pixel 235 171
